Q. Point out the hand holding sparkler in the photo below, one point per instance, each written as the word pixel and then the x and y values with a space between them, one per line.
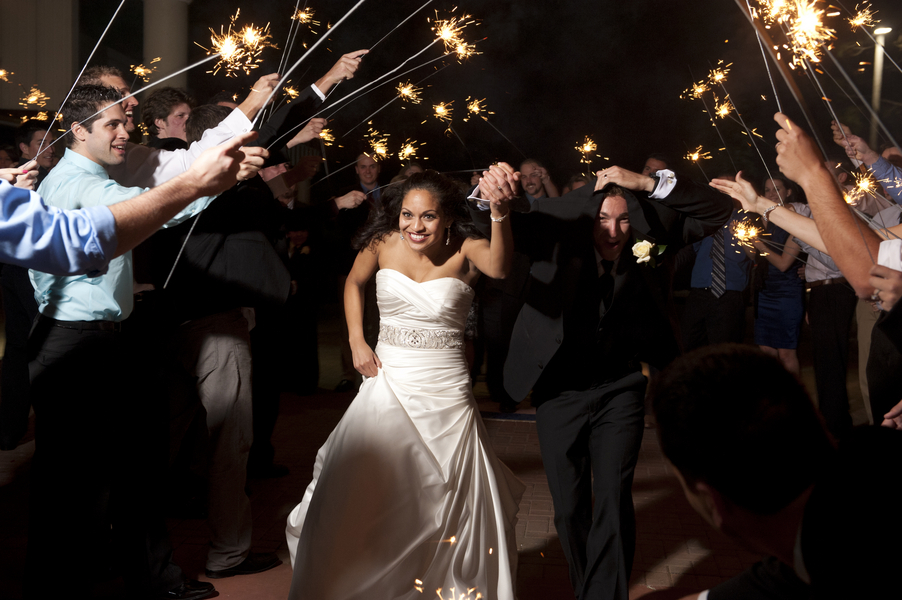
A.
pixel 797 155
pixel 260 93
pixel 743 191
pixel 854 146
pixel 217 168
pixel 345 68
pixel 254 159
pixel 350 200
pixel 623 178
pixel 887 284
pixel 311 131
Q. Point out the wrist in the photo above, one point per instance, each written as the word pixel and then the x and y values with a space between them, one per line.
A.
pixel 650 183
pixel 869 158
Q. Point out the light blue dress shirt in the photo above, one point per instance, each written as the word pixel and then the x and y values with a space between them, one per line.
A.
pixel 78 182
pixel 48 239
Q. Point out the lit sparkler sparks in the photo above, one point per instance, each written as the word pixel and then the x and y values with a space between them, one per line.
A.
pixel 305 17
pixel 587 148
pixel 4 75
pixel 443 111
pixel 863 18
pixel 290 93
pixel 695 92
pixel 807 31
pixel 327 137
pixel 476 107
pixel 718 75
pixel 746 232
pixel 723 109
pixel 408 149
pixel 144 72
pixel 463 596
pixel 409 92
pixel 238 50
pixel 697 155
pixel 378 144
pixel 35 98
pixel 449 31
pixel 775 11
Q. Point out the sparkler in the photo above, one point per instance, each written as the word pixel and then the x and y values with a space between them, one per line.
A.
pixel 378 144
pixel 4 75
pixel 695 92
pixel 718 75
pixel 863 18
pixel 144 72
pixel 238 50
pixel 807 32
pixel 443 111
pixel 587 148
pixel 305 17
pixel 34 98
pixel 697 155
pixel 724 108
pixel 408 149
pixel 449 31
pixel 409 92
pixel 476 107
pixel 746 232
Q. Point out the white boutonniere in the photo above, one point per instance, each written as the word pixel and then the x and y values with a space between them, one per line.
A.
pixel 645 252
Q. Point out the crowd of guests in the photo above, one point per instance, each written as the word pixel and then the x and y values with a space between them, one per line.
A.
pixel 219 315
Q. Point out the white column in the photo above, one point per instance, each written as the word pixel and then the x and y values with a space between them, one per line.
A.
pixel 166 37
pixel 38 42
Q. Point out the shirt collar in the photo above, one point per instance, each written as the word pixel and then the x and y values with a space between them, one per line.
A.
pixel 85 163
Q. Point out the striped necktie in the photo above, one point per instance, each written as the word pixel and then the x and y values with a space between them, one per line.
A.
pixel 718 265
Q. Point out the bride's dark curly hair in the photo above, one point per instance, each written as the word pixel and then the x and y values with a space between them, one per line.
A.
pixel 451 203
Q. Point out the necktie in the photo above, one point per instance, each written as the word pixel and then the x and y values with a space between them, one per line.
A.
pixel 606 282
pixel 718 265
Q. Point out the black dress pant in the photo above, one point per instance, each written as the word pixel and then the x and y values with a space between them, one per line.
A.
pixel 590 443
pixel 831 309
pixel 92 502
pixel 20 309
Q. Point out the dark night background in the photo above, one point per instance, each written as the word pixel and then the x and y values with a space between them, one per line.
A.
pixel 552 72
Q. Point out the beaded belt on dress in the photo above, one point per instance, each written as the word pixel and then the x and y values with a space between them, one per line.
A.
pixel 432 339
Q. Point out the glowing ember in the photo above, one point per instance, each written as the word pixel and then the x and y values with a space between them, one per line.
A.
pixel 408 149
pixel 144 72
pixel 409 92
pixel 238 50
pixel 697 155
pixel 305 17
pixel 35 98
pixel 327 137
pixel 378 144
pixel 4 75
pixel 745 231
pixel 863 17
pixel 476 107
pixel 443 111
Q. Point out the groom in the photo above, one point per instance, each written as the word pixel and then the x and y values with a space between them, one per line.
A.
pixel 592 312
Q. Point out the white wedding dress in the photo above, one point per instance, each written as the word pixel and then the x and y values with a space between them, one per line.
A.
pixel 407 496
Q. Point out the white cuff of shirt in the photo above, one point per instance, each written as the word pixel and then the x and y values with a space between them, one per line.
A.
pixel 703 595
pixel 666 183
pixel 890 254
pixel 318 92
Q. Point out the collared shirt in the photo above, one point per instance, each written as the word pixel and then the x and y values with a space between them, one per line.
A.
pixel 48 239
pixel 78 182
pixel 819 266
pixel 736 261
pixel 889 176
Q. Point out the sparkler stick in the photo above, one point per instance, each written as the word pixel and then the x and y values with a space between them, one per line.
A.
pixel 505 137
pixel 399 24
pixel 146 87
pixel 770 77
pixel 301 59
pixel 90 56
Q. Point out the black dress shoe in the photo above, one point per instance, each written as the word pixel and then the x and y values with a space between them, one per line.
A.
pixel 191 590
pixel 256 562
pixel 345 385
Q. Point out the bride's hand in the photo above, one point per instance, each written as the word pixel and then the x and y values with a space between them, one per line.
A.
pixel 365 360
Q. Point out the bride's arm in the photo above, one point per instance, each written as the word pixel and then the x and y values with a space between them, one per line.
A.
pixel 365 360
pixel 493 258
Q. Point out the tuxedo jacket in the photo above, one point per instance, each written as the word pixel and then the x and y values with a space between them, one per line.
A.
pixel 566 339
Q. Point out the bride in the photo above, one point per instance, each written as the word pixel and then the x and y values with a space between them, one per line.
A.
pixel 408 500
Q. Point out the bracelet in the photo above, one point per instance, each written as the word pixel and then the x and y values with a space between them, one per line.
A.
pixel 499 219
pixel 767 212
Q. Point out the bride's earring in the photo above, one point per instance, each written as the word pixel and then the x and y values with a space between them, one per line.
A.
pixel 448 239
pixel 402 237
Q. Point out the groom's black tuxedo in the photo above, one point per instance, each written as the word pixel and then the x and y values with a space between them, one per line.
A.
pixel 580 356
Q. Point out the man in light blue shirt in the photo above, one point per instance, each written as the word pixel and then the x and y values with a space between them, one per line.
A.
pixel 95 447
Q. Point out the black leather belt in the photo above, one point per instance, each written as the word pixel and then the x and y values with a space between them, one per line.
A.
pixel 84 325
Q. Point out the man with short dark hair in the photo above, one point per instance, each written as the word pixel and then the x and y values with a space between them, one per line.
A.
pixel 755 461
pixel 536 181
pixel 654 163
pixel 592 311
pixel 34 139
pixel 164 114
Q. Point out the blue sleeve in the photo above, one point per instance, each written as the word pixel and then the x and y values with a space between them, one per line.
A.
pixel 47 239
pixel 890 177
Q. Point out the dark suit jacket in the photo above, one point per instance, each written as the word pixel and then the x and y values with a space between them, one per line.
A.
pixel 554 353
